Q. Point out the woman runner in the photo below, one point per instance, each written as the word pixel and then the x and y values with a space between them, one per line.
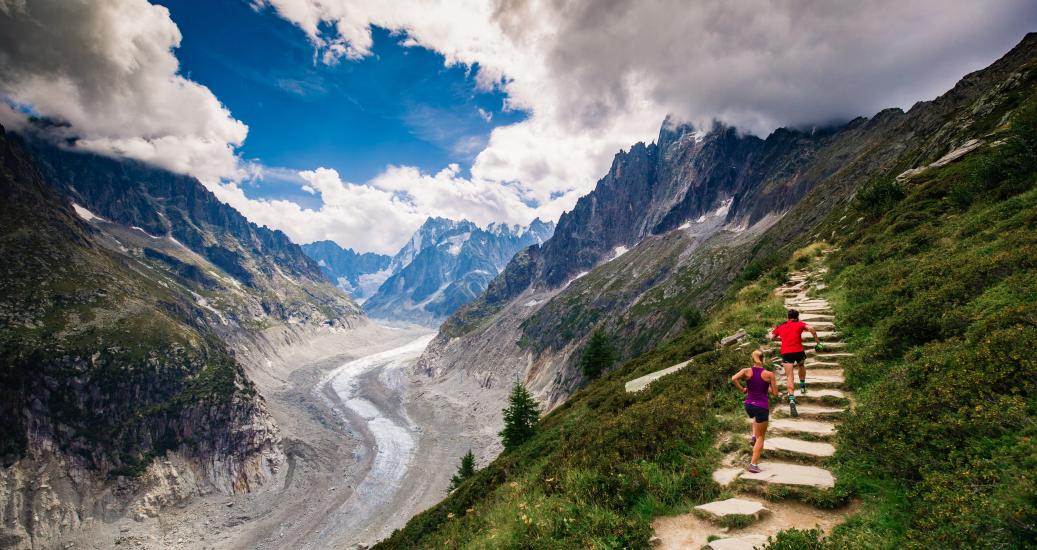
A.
pixel 760 382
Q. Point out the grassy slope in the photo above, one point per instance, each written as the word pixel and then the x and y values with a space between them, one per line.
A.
pixel 937 290
pixel 606 462
pixel 935 284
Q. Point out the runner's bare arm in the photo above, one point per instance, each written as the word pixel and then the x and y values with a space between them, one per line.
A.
pixel 736 380
pixel 813 332
pixel 774 385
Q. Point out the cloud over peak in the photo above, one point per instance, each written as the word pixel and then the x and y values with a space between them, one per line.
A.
pixel 593 77
pixel 107 68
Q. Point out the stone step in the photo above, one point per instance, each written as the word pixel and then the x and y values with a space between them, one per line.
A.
pixel 814 310
pixel 820 364
pixel 741 542
pixel 720 509
pixel 815 380
pixel 806 303
pixel 814 394
pixel 798 446
pixel 724 476
pixel 822 325
pixel 785 473
pixel 825 375
pixel 807 410
pixel 814 317
pixel 801 425
pixel 827 355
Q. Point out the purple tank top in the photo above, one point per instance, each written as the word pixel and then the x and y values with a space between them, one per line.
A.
pixel 757 386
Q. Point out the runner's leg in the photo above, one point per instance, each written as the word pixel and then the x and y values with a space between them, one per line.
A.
pixel 759 430
pixel 791 377
pixel 803 375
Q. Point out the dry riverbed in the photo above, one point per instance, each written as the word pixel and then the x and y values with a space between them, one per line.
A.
pixel 368 445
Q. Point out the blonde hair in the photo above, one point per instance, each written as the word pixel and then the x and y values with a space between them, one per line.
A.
pixel 758 357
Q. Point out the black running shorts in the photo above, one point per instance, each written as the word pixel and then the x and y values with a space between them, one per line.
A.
pixel 795 357
pixel 758 414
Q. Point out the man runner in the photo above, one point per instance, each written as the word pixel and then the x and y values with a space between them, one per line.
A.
pixel 792 354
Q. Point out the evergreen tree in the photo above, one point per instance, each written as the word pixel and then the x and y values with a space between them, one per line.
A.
pixel 520 417
pixel 465 471
pixel 598 356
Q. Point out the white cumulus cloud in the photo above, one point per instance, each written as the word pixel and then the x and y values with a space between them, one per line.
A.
pixel 107 68
pixel 593 76
pixel 381 214
pixel 598 76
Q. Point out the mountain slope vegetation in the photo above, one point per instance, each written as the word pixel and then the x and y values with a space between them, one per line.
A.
pixel 932 274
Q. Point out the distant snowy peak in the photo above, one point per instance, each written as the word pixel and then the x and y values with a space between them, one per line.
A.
pixel 433 233
pixel 451 236
pixel 359 275
pixel 447 263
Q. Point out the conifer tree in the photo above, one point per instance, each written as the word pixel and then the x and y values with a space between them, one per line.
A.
pixel 464 471
pixel 598 356
pixel 520 417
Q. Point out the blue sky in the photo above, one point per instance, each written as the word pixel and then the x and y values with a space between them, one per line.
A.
pixel 321 93
pixel 400 106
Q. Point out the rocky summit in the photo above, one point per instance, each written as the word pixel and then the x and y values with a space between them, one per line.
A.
pixel 447 264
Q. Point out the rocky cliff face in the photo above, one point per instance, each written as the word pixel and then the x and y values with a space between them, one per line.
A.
pixel 119 392
pixel 445 265
pixel 673 223
pixel 359 275
pixel 173 216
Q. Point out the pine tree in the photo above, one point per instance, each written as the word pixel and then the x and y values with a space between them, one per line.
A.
pixel 520 417
pixel 465 471
pixel 598 356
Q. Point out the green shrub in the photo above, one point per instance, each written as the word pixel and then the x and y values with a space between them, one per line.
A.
pixel 598 356
pixel 520 417
pixel 464 471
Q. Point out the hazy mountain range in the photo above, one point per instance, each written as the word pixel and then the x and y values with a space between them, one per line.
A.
pixel 443 266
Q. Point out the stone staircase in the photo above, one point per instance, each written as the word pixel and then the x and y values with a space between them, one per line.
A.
pixel 794 453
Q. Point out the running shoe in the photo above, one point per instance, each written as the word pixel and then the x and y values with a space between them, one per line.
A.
pixel 803 386
pixel 754 469
pixel 792 406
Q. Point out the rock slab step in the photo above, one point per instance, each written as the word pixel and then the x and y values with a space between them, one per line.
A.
pixel 798 446
pixel 818 393
pixel 784 473
pixel 809 409
pixel 802 425
pixel 744 542
pixel 732 507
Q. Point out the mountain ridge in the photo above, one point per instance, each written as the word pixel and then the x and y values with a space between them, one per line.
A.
pixel 918 231
pixel 444 265
pixel 765 188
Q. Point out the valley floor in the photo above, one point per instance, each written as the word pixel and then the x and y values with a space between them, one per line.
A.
pixel 367 445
